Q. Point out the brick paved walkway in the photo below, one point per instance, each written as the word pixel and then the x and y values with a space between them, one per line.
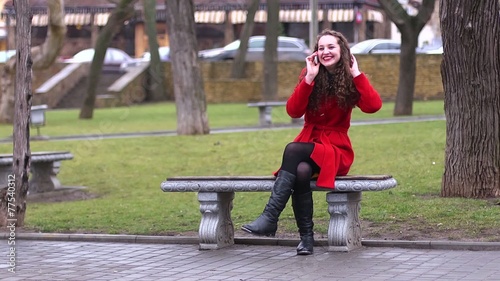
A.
pixel 58 260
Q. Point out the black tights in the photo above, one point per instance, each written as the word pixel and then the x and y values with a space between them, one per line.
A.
pixel 297 160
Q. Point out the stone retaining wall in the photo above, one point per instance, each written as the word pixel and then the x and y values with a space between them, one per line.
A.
pixel 382 70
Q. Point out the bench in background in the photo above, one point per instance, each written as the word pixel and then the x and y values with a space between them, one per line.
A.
pixel 216 194
pixel 37 117
pixel 265 112
pixel 44 169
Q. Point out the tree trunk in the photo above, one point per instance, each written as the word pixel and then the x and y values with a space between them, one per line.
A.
pixel 407 71
pixel 410 27
pixel 270 91
pixel 189 94
pixel 238 67
pixel 18 98
pixel 228 29
pixel 43 56
pixel 471 80
pixel 13 197
pixel 123 11
pixel 156 72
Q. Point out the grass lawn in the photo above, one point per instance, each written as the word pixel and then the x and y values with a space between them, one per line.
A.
pixel 162 117
pixel 125 175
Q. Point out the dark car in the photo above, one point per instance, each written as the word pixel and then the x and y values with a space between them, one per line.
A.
pixel 289 49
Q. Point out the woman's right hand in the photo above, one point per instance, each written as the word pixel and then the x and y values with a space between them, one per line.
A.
pixel 312 68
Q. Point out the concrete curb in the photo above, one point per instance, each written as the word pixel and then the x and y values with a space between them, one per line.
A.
pixel 441 245
pixel 436 245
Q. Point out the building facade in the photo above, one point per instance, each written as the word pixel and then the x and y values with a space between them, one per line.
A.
pixel 217 22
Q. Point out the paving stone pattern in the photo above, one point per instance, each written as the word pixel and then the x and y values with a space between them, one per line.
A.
pixel 57 260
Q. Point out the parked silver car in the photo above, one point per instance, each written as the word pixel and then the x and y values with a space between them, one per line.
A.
pixel 377 46
pixel 432 50
pixel 389 46
pixel 289 49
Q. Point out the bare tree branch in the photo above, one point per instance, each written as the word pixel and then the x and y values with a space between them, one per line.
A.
pixel 44 55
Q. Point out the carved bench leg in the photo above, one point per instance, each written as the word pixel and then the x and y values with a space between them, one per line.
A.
pixel 216 227
pixel 344 231
pixel 5 171
pixel 265 115
pixel 44 176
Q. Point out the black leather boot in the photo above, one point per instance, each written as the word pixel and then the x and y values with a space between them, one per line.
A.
pixel 303 210
pixel 267 223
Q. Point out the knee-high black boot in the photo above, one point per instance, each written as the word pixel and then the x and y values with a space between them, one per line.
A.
pixel 267 223
pixel 303 210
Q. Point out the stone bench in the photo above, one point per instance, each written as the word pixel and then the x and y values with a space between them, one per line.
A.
pixel 216 194
pixel 265 111
pixel 44 169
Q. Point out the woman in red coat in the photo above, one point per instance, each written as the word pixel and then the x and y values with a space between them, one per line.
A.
pixel 329 87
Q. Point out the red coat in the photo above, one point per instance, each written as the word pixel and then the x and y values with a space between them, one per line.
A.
pixel 328 128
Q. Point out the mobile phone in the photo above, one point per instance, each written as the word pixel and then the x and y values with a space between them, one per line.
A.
pixel 316 60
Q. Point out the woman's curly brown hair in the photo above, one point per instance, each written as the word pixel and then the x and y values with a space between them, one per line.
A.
pixel 339 84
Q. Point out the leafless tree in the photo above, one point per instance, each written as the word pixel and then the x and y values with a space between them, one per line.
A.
pixel 156 72
pixel 190 100
pixel 471 80
pixel 410 27
pixel 42 56
pixel 124 10
pixel 238 67
pixel 13 196
pixel 270 90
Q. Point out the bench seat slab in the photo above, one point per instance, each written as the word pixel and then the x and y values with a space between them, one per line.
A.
pixel 45 166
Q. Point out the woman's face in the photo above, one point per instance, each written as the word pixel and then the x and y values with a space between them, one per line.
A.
pixel 328 51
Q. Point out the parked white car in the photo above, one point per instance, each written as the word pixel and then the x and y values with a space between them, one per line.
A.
pixel 115 59
pixel 289 49
pixel 6 55
pixel 164 54
pixel 377 46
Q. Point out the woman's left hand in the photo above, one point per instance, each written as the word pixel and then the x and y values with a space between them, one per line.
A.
pixel 312 68
pixel 354 67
